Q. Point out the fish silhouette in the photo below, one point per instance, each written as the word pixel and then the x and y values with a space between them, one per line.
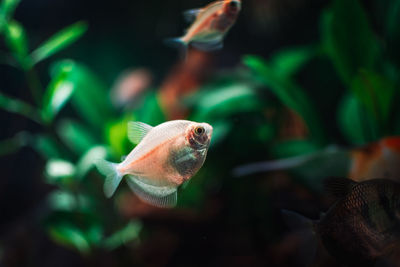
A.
pixel 362 226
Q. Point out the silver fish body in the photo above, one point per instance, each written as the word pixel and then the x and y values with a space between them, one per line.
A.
pixel 166 156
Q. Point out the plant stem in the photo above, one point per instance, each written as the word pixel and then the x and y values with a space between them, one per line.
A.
pixel 34 85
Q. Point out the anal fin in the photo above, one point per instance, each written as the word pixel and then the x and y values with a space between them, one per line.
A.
pixel 208 45
pixel 159 196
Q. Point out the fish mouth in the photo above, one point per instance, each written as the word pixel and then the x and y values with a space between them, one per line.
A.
pixel 209 130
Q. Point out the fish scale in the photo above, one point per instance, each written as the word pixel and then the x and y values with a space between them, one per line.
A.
pixel 363 213
pixel 362 226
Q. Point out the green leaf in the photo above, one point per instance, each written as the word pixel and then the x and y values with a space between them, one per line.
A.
pixel 18 44
pixel 59 172
pixel 16 106
pixel 59 41
pixel 150 112
pixel 57 94
pixel 70 236
pixel 90 97
pixel 355 123
pixel 13 144
pixel 7 8
pixel 87 161
pixel 95 234
pixel 287 62
pixel 80 230
pixel 288 92
pixel 76 136
pixel 224 101
pixel 47 146
pixel 127 234
pixel 117 136
pixel 348 39
pixel 392 18
pixel 392 40
pixel 65 201
pixel 376 93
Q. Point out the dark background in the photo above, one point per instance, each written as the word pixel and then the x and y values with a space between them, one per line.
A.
pixel 233 227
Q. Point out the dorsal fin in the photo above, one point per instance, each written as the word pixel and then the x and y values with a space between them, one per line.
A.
pixel 338 187
pixel 137 131
pixel 191 14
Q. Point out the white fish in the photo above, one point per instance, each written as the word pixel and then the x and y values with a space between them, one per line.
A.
pixel 166 156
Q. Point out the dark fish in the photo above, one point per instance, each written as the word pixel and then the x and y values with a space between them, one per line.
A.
pixel 362 226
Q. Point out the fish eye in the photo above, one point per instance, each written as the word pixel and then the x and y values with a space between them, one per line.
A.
pixel 199 130
pixel 233 4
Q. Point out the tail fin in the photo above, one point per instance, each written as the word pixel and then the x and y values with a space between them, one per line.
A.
pixel 304 228
pixel 113 177
pixel 178 43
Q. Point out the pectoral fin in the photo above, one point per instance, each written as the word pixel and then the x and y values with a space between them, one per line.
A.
pixel 137 131
pixel 159 196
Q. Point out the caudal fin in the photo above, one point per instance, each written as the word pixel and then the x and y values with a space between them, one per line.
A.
pixel 113 177
pixel 179 44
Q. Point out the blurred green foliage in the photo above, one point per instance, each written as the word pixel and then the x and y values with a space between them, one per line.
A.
pixel 366 65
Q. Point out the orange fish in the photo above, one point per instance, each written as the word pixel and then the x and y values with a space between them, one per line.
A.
pixel 210 25
pixel 166 156
pixel 377 160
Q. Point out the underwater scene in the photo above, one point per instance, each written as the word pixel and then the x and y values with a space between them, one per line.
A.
pixel 200 133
